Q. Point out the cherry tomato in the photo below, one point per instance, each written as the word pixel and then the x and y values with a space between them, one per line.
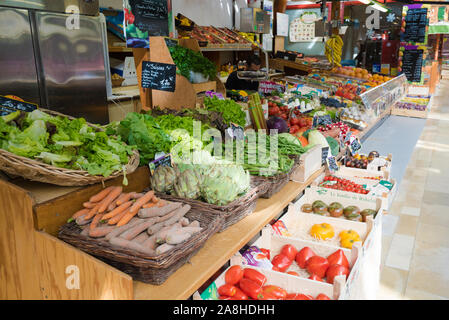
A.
pixel 240 295
pixel 293 273
pixel 298 296
pixel 227 290
pixel 250 288
pixel 338 257
pixel 322 296
pixel 266 252
pixel 317 265
pixel 315 277
pixel 336 270
pixel 234 275
pixel 254 275
pixel 276 291
pixel 282 262
pixel 227 298
pixel 303 255
pixel 289 251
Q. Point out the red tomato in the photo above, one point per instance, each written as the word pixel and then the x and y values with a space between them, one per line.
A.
pixel 289 251
pixel 303 255
pixel 250 288
pixel 276 291
pixel 322 296
pixel 266 252
pixel 227 290
pixel 267 296
pixel 338 257
pixel 227 298
pixel 298 296
pixel 336 270
pixel 315 277
pixel 294 129
pixel 317 265
pixel 234 275
pixel 282 262
pixel 240 295
pixel 293 273
pixel 294 121
pixel 255 276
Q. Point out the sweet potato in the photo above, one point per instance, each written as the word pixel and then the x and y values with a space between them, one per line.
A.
pixel 85 231
pixel 138 228
pixel 156 211
pixel 164 248
pixel 119 230
pixel 81 221
pixel 126 244
pixel 169 219
pixel 177 237
pixel 141 238
pixel 99 232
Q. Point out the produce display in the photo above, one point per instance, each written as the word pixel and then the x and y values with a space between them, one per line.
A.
pixel 419 103
pixel 342 184
pixel 361 161
pixel 371 80
pixel 62 142
pixel 231 111
pixel 337 210
pixel 333 49
pixel 251 284
pixel 136 221
pixel 188 61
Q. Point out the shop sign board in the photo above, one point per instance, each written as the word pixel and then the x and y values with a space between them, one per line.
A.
pixel 412 62
pixel 8 105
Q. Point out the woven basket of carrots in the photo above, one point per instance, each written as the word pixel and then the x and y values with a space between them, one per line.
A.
pixel 138 233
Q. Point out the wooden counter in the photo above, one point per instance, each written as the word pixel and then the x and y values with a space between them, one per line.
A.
pixel 31 213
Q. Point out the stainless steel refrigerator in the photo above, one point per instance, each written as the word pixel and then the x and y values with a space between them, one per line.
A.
pixel 53 58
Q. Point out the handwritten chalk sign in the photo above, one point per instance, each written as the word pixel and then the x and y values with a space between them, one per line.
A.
pixel 321 120
pixel 15 105
pixel 412 62
pixel 235 131
pixel 324 154
pixel 158 76
pixel 332 164
pixel 355 146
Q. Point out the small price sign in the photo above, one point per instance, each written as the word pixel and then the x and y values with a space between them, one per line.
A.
pixel 163 160
pixel 332 163
pixel 354 145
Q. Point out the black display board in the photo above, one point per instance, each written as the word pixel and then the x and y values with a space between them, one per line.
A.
pixel 158 76
pixel 8 105
pixel 151 16
pixel 415 25
pixel 412 61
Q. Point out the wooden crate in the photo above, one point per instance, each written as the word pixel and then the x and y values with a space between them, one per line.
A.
pixel 299 223
pixel 361 173
pixel 205 86
pixel 290 283
pixel 310 163
pixel 410 113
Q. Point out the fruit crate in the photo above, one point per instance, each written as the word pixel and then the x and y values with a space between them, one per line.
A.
pixel 290 283
pixel 310 162
pixel 386 197
pixel 383 172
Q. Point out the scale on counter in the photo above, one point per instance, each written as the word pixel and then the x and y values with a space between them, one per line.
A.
pixel 252 75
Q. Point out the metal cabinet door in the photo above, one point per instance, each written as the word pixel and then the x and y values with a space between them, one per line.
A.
pixel 18 75
pixel 73 66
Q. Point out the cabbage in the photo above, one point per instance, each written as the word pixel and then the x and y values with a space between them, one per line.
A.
pixel 316 137
pixel 290 138
pixel 277 123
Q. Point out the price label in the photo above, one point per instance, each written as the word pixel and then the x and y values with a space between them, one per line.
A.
pixel 8 105
pixel 321 120
pixel 235 131
pixel 324 155
pixel 164 160
pixel 355 145
pixel 332 164
pixel 158 76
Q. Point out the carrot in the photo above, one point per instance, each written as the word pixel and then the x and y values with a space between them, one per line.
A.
pixel 141 201
pixel 101 195
pixel 118 217
pixel 124 197
pixel 112 206
pixel 177 237
pixel 141 238
pixel 150 242
pixel 81 221
pixel 79 213
pixel 95 221
pixel 155 199
pixel 118 210
pixel 89 205
pixel 93 211
pixel 169 219
pixel 164 248
pixel 184 221
pixel 161 203
pixel 126 219
pixel 148 205
pixel 109 198
pixel 137 195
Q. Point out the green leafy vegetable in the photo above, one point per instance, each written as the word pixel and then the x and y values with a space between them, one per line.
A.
pixel 187 60
pixel 231 110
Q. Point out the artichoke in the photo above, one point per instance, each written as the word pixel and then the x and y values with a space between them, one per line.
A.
pixel 163 179
pixel 187 185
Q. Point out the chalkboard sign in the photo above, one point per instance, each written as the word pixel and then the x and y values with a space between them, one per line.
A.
pixel 355 146
pixel 158 76
pixel 415 25
pixel 235 131
pixel 171 42
pixel 324 154
pixel 15 105
pixel 412 62
pixel 332 164
pixel 143 19
pixel 321 120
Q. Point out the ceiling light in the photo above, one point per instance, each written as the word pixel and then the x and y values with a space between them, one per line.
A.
pixel 379 7
pixel 365 1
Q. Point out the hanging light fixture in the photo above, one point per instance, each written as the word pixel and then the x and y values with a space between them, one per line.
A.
pixel 365 1
pixel 376 5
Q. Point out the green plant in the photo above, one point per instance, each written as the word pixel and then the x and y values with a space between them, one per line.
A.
pixel 187 60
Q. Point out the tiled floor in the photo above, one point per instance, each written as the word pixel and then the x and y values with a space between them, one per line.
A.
pixel 415 244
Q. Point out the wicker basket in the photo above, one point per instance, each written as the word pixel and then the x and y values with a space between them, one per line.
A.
pixel 268 186
pixel 231 213
pixel 149 269
pixel 39 171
